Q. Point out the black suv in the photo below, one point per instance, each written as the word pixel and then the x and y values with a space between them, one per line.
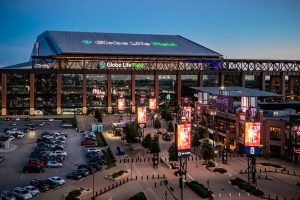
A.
pixel 33 169
pixel 42 185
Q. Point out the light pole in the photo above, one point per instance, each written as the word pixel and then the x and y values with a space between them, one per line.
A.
pixel 213 113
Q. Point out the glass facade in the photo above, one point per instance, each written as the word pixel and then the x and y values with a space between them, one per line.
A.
pixel 275 133
pixel 210 80
pixel 188 81
pixel 71 97
pixel 167 85
pixel 18 94
pixel 1 91
pixel 252 81
pixel 96 91
pixel 231 80
pixel 121 83
pixel 144 84
pixel 45 94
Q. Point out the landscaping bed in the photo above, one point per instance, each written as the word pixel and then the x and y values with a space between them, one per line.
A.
pixel 199 189
pixel 243 185
pixel 139 196
pixel 220 170
pixel 117 175
pixel 109 156
pixel 271 165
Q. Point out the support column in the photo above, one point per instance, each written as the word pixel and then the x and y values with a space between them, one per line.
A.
pixel 4 93
pixel 84 97
pixel 133 103
pixel 58 98
pixel 156 87
pixel 291 85
pixel 178 83
pixel 109 108
pixel 32 90
pixel 221 79
pixel 263 81
pixel 200 80
pixel 243 82
pixel 282 84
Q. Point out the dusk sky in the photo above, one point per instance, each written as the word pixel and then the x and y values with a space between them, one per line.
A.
pixel 262 29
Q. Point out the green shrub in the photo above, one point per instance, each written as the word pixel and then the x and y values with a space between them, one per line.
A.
pixel 139 196
pixel 199 189
pixel 73 195
pixel 119 173
pixel 220 170
pixel 109 159
pixel 100 139
pixel 243 185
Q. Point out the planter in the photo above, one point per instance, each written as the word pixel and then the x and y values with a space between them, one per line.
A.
pixel 118 175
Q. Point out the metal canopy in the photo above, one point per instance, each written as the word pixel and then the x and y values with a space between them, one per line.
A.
pixel 236 91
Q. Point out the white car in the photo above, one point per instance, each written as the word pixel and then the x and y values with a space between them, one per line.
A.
pixel 87 150
pixel 41 124
pixel 51 120
pixel 58 153
pixel 22 193
pixel 33 190
pixel 11 131
pixel 66 125
pixel 54 164
pixel 20 135
pixel 58 180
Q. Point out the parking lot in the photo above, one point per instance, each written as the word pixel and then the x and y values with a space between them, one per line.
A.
pixel 12 166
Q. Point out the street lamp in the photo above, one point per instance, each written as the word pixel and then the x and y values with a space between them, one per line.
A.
pixel 213 114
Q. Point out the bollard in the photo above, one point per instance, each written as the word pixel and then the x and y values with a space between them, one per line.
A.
pixel 152 176
pixel 96 193
pixel 276 197
pixel 241 172
pixel 266 176
pixel 148 159
pixel 120 183
pixel 275 170
pixel 294 173
pixel 128 160
pixel 158 176
pixel 196 158
pixel 230 157
pixel 132 160
pixel 136 160
pixel 160 183
pixel 108 187
pixel 124 160
pixel 112 186
pixel 288 171
pixel 192 158
pixel 188 158
pixel 165 159
pixel 269 197
pixel 140 159
pixel 260 170
pixel 164 176
pixel 127 179
pixel 155 184
pixel 265 169
pixel 123 181
pixel 258 176
pixel 105 189
pixel 147 177
pixel 284 198
pixel 120 161
pixel 144 159
pixel 135 177
pixel 141 177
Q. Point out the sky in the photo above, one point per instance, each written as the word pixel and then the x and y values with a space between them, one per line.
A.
pixel 255 29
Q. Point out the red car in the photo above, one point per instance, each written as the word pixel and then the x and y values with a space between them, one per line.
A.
pixel 35 162
pixel 88 142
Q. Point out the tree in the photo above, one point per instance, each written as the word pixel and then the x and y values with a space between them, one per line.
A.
pixel 154 145
pixel 147 141
pixel 157 124
pixel 98 115
pixel 131 131
pixel 170 127
pixel 207 150
pixel 173 152
pixel 168 116
pixel 196 138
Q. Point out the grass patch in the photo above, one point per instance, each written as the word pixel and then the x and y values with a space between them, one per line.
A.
pixel 109 158
pixel 220 170
pixel 72 121
pixel 100 139
pixel 139 196
pixel 243 185
pixel 270 165
pixel 199 189
pixel 73 195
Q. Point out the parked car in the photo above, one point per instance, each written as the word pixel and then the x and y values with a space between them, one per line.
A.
pixel 84 172
pixel 75 175
pixel 92 149
pixel 22 193
pixel 33 169
pixel 54 164
pixel 66 125
pixel 7 195
pixel 51 119
pixel 41 124
pixel 88 167
pixel 96 166
pixel 59 153
pixel 88 142
pixel 42 185
pixel 56 158
pixel 36 162
pixel 20 134
pixel 58 180
pixel 33 190
pixel 57 147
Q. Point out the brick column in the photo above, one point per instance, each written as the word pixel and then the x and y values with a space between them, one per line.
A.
pixel 263 81
pixel 58 98
pixel 4 93
pixel 200 80
pixel 282 84
pixel 221 80
pixel 84 97
pixel 32 91
pixel 291 85
pixel 133 93
pixel 109 108
pixel 178 89
pixel 156 87
pixel 243 83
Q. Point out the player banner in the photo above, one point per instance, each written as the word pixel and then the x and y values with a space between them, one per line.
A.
pixel 252 134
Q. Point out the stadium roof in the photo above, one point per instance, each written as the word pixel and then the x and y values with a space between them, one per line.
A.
pixel 89 43
pixel 236 91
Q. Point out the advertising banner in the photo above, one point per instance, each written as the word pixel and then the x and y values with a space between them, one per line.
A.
pixel 152 104
pixel 142 115
pixel 222 101
pixel 183 139
pixel 252 134
pixel 121 104
pixel 296 130
pixel 187 113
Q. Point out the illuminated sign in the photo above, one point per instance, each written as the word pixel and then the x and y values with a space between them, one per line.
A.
pixel 297 150
pixel 130 43
pixel 296 130
pixel 187 113
pixel 135 65
pixel 142 115
pixel 152 104
pixel 121 104
pixel 222 101
pixel 252 134
pixel 183 139
pixel 99 93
